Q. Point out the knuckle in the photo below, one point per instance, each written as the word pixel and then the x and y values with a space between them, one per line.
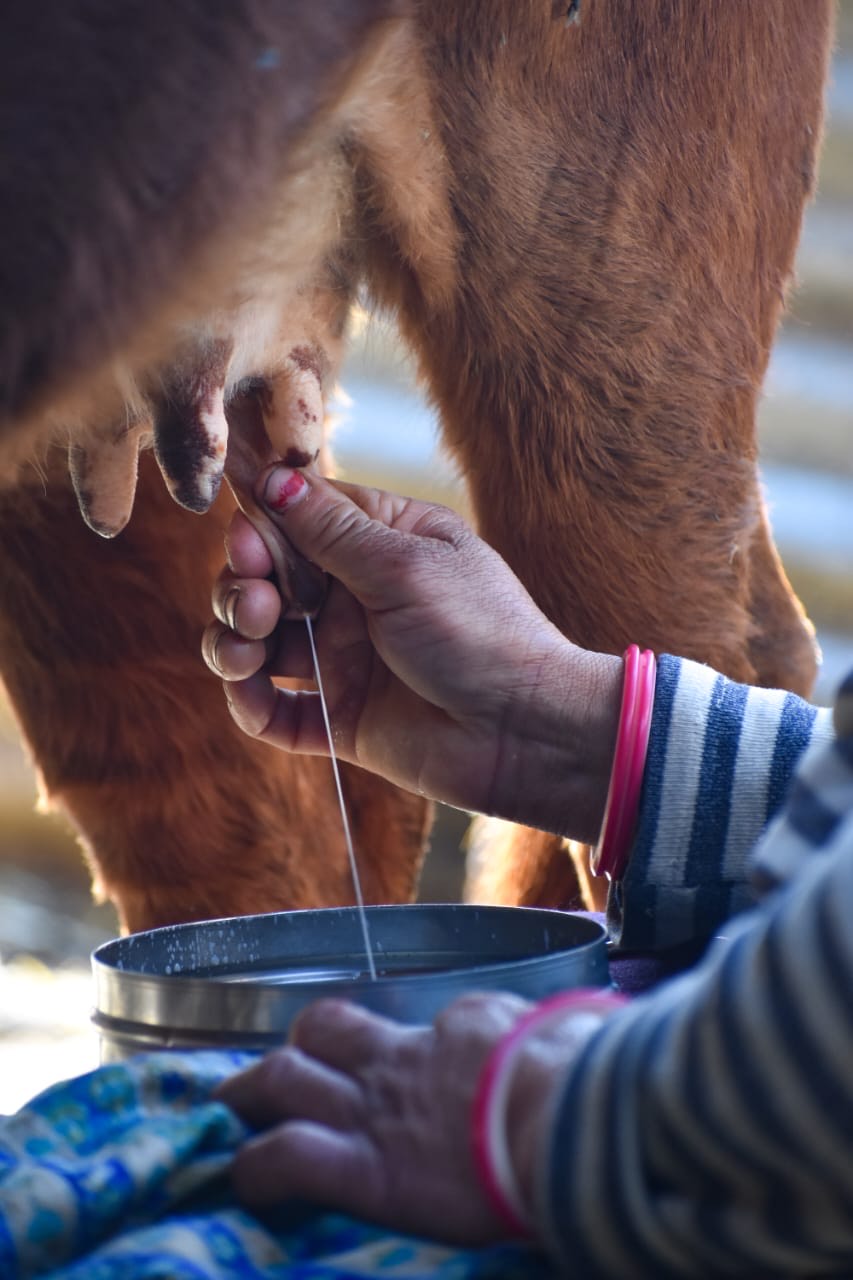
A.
pixel 338 525
pixel 280 1075
pixel 480 1013
pixel 442 525
pixel 314 1024
pixel 463 1012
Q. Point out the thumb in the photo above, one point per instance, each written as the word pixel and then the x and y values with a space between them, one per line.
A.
pixel 325 523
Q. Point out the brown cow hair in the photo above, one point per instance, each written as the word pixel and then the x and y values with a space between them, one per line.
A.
pixel 585 220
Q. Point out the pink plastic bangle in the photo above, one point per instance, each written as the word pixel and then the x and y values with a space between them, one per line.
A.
pixel 488 1116
pixel 609 856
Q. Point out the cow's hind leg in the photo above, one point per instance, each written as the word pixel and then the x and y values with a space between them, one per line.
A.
pixel 181 816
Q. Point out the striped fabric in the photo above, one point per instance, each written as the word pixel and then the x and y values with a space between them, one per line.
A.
pixel 721 759
pixel 707 1130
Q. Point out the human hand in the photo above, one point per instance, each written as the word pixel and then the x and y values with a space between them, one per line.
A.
pixel 373 1118
pixel 441 674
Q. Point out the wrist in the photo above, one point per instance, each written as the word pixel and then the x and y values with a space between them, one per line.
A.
pixel 518 1092
pixel 629 762
pixel 558 741
pixel 539 1079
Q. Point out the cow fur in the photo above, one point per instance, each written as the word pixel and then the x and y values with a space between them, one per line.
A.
pixel 585 220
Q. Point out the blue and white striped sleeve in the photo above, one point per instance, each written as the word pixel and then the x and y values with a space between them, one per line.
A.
pixel 707 1129
pixel 721 759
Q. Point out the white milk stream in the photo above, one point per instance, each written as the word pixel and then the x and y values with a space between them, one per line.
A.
pixel 318 680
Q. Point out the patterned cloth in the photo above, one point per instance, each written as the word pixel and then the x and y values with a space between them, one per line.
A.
pixel 721 760
pixel 122 1174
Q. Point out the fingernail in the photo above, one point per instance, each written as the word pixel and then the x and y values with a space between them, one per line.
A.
pixel 213 653
pixel 229 607
pixel 284 488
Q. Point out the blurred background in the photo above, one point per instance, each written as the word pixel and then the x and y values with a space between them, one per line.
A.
pixel 387 436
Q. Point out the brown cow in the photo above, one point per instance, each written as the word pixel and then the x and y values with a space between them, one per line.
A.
pixel 585 218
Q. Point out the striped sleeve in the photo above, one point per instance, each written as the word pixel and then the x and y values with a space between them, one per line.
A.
pixel 721 759
pixel 707 1129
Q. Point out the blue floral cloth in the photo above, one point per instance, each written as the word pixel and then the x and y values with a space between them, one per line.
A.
pixel 123 1173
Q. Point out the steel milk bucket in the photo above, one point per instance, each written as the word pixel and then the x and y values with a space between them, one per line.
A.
pixel 240 982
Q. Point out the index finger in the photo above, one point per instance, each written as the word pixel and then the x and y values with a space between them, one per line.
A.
pixel 286 1085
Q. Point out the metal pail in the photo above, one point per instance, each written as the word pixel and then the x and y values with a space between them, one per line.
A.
pixel 240 982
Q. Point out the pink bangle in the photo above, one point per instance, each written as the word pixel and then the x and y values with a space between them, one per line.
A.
pixel 609 856
pixel 488 1116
